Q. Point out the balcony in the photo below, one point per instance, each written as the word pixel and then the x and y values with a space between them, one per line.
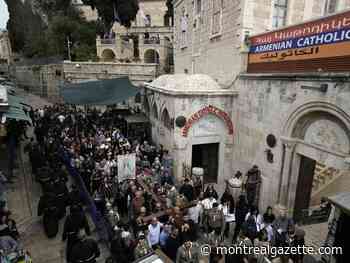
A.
pixel 151 41
pixel 108 41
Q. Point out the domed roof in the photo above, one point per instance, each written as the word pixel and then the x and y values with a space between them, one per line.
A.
pixel 186 82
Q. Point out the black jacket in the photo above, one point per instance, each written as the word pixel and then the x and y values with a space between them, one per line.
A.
pixel 74 222
pixel 85 251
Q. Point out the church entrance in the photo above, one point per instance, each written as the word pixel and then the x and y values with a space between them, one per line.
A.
pixel 206 156
pixel 304 187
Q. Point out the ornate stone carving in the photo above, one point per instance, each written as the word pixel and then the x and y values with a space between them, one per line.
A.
pixel 328 134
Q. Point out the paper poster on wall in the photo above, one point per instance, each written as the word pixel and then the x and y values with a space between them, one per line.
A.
pixel 126 166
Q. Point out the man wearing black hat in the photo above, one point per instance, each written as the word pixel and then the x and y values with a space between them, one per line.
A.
pixel 85 250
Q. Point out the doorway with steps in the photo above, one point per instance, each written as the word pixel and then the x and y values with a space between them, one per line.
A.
pixel 317 180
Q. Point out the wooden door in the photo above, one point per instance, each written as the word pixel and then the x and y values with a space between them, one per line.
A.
pixel 211 162
pixel 304 186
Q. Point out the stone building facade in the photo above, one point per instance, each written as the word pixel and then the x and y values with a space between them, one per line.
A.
pixel 5 47
pixel 148 40
pixel 210 133
pixel 307 115
pixel 210 34
pixel 307 121
pixel 87 12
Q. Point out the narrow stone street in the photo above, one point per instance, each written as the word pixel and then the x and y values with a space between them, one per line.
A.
pixel 23 198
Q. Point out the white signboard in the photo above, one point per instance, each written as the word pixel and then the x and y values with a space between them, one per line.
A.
pixel 126 166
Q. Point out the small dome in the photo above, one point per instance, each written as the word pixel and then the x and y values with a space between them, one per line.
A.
pixel 186 82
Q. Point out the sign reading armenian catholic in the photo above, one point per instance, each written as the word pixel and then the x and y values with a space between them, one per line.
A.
pixel 320 45
pixel 204 112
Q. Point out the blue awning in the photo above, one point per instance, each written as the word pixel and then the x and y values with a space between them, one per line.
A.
pixel 101 92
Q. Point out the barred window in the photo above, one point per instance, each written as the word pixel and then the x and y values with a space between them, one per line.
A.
pixel 198 7
pixel 330 6
pixel 183 29
pixel 280 13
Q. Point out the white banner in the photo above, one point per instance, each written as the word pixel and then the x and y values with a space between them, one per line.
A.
pixel 126 166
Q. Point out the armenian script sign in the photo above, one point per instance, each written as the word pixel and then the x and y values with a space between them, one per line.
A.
pixel 204 112
pixel 324 42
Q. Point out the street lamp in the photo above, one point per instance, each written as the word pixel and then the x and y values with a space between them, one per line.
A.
pixel 69 52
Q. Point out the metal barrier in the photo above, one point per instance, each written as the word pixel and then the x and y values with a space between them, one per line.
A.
pixel 98 219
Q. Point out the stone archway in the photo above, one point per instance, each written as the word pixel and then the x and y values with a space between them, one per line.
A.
pixel 108 55
pixel 319 133
pixel 151 56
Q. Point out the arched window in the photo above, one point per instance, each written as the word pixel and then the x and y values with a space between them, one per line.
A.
pixel 166 119
pixel 151 56
pixel 155 111
pixel 108 55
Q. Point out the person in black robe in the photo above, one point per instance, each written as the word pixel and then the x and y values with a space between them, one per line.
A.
pixel 227 199
pixel 61 192
pixel 172 244
pixel 85 250
pixel 48 208
pixel 75 197
pixel 241 212
pixel 75 221
pixel 187 190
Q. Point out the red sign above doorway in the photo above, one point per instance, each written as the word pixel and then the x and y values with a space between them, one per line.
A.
pixel 204 112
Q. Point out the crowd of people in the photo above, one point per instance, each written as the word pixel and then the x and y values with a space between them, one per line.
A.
pixel 151 210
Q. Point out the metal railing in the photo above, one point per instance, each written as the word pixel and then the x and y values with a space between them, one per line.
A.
pixel 149 41
pixel 108 41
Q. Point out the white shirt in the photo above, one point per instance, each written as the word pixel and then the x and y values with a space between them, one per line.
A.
pixel 153 234
pixel 194 213
pixel 208 203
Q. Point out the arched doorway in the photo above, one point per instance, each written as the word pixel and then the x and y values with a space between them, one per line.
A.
pixel 151 56
pixel 314 153
pixel 108 55
pixel 166 119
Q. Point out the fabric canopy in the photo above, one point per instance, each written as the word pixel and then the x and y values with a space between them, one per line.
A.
pixel 15 110
pixel 101 92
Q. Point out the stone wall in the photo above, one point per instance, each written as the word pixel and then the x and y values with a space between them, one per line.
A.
pixel 217 56
pixel 208 129
pixel 138 73
pixel 44 80
pixel 293 108
pixel 41 80
pixel 220 56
